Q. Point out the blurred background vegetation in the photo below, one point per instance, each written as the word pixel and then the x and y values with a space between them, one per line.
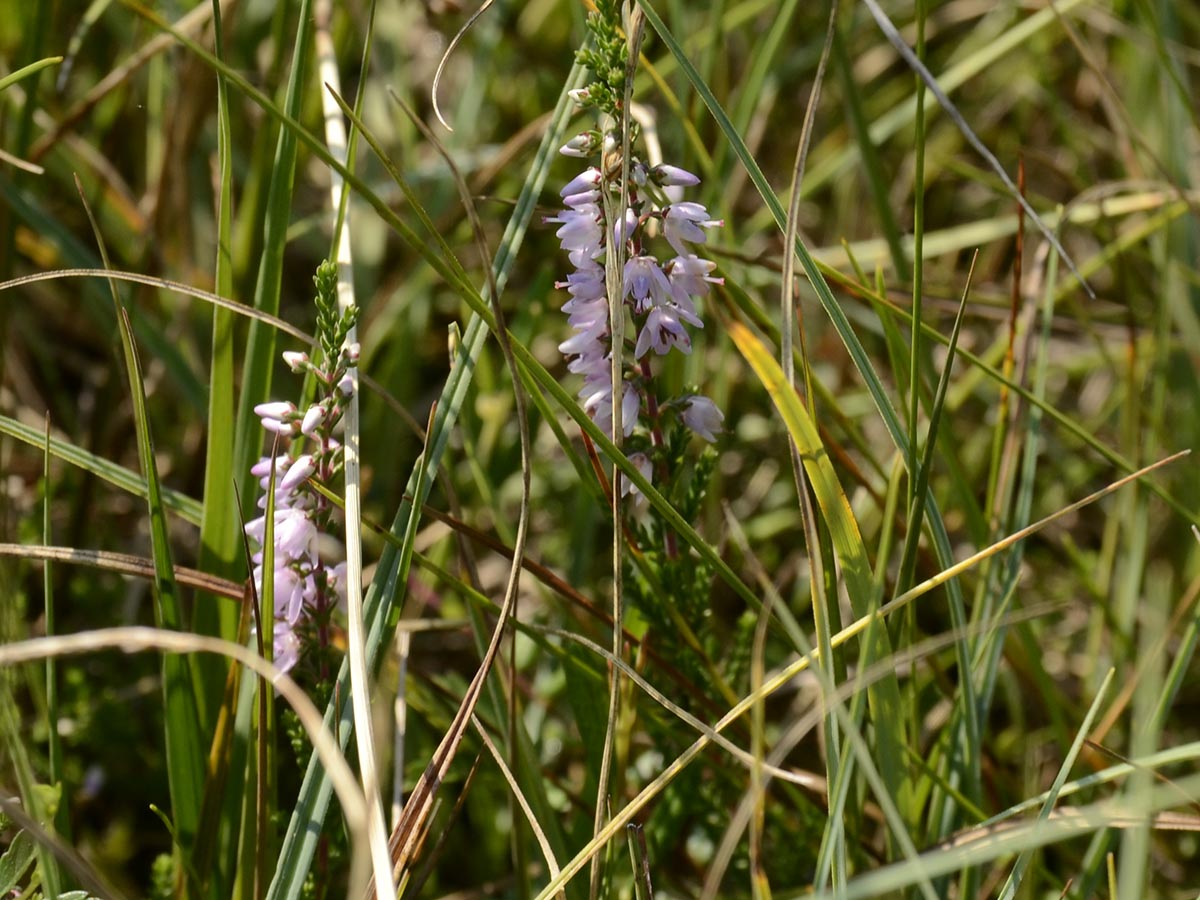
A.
pixel 1094 101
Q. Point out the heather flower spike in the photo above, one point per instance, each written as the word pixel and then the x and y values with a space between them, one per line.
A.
pixel 659 291
pixel 306 588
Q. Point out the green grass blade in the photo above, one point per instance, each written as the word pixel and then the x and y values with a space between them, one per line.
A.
pixel 219 537
pixel 31 69
pixel 260 343
pixel 184 739
pixel 877 181
pixel 54 755
pixel 1018 870
pixel 187 508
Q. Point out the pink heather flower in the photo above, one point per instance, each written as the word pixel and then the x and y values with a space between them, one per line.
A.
pixel 289 594
pixel 286 645
pixel 630 224
pixel 262 469
pixel 682 223
pixel 313 417
pixel 296 361
pixel 660 297
pixel 580 229
pixel 702 416
pixel 295 534
pixel 297 473
pixel 300 581
pixel 585 342
pixel 277 417
pixel 599 407
pixel 276 410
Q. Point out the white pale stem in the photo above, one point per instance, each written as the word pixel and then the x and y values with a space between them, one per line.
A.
pixel 335 139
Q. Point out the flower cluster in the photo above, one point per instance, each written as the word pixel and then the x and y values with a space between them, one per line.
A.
pixel 306 587
pixel 660 296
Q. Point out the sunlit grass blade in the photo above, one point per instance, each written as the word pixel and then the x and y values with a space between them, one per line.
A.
pixel 843 528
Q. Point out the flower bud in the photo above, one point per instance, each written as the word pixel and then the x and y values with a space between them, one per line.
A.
pixel 296 360
pixel 673 175
pixel 312 419
pixel 582 145
pixel 297 473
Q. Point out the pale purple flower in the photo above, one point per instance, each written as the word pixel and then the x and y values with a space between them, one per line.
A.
pixel 278 409
pixel 286 645
pixel 277 417
pixel 587 180
pixel 599 407
pixel 660 297
pixel 702 416
pixel 585 341
pixel 683 222
pixel 623 230
pixel 690 274
pixel 262 469
pixel 662 331
pixel 646 468
pixel 295 534
pixel 646 283
pixel 580 229
pixel 289 594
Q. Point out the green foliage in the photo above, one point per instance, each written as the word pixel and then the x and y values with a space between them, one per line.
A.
pixel 968 725
pixel 607 58
pixel 332 324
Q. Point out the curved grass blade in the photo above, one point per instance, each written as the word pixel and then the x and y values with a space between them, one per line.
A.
pixel 25 71
pixel 184 506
